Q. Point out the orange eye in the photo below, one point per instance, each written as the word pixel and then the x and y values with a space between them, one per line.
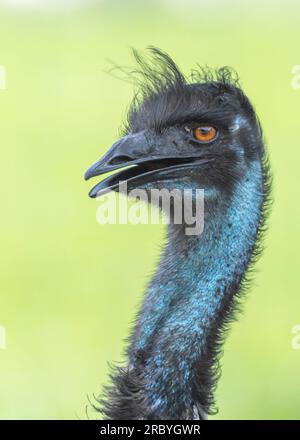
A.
pixel 205 133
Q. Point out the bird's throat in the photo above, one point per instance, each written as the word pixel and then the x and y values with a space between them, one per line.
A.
pixel 176 338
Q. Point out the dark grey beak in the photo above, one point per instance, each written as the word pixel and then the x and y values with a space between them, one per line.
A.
pixel 124 152
pixel 142 161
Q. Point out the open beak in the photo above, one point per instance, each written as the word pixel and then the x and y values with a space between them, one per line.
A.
pixel 141 162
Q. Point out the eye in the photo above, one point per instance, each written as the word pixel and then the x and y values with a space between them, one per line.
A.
pixel 205 133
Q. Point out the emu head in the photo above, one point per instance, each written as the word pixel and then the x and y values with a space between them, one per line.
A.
pixel 197 133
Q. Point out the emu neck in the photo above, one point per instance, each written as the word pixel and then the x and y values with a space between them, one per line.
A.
pixel 175 341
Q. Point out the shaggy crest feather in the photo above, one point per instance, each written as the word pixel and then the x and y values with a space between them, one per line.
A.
pixel 161 88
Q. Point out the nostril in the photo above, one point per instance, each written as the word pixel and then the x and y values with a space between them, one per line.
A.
pixel 119 159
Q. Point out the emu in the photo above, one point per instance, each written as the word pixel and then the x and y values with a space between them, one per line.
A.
pixel 196 132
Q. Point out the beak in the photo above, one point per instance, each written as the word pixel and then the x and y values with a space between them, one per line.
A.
pixel 143 163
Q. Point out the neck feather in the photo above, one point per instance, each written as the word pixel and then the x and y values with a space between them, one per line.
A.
pixel 176 341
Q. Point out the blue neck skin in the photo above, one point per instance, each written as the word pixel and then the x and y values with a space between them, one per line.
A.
pixel 196 276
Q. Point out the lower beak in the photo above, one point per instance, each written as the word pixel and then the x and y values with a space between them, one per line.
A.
pixel 141 166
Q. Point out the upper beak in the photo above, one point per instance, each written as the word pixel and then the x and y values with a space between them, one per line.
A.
pixel 126 151
pixel 135 151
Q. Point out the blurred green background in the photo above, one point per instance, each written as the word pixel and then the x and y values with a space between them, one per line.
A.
pixel 69 286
